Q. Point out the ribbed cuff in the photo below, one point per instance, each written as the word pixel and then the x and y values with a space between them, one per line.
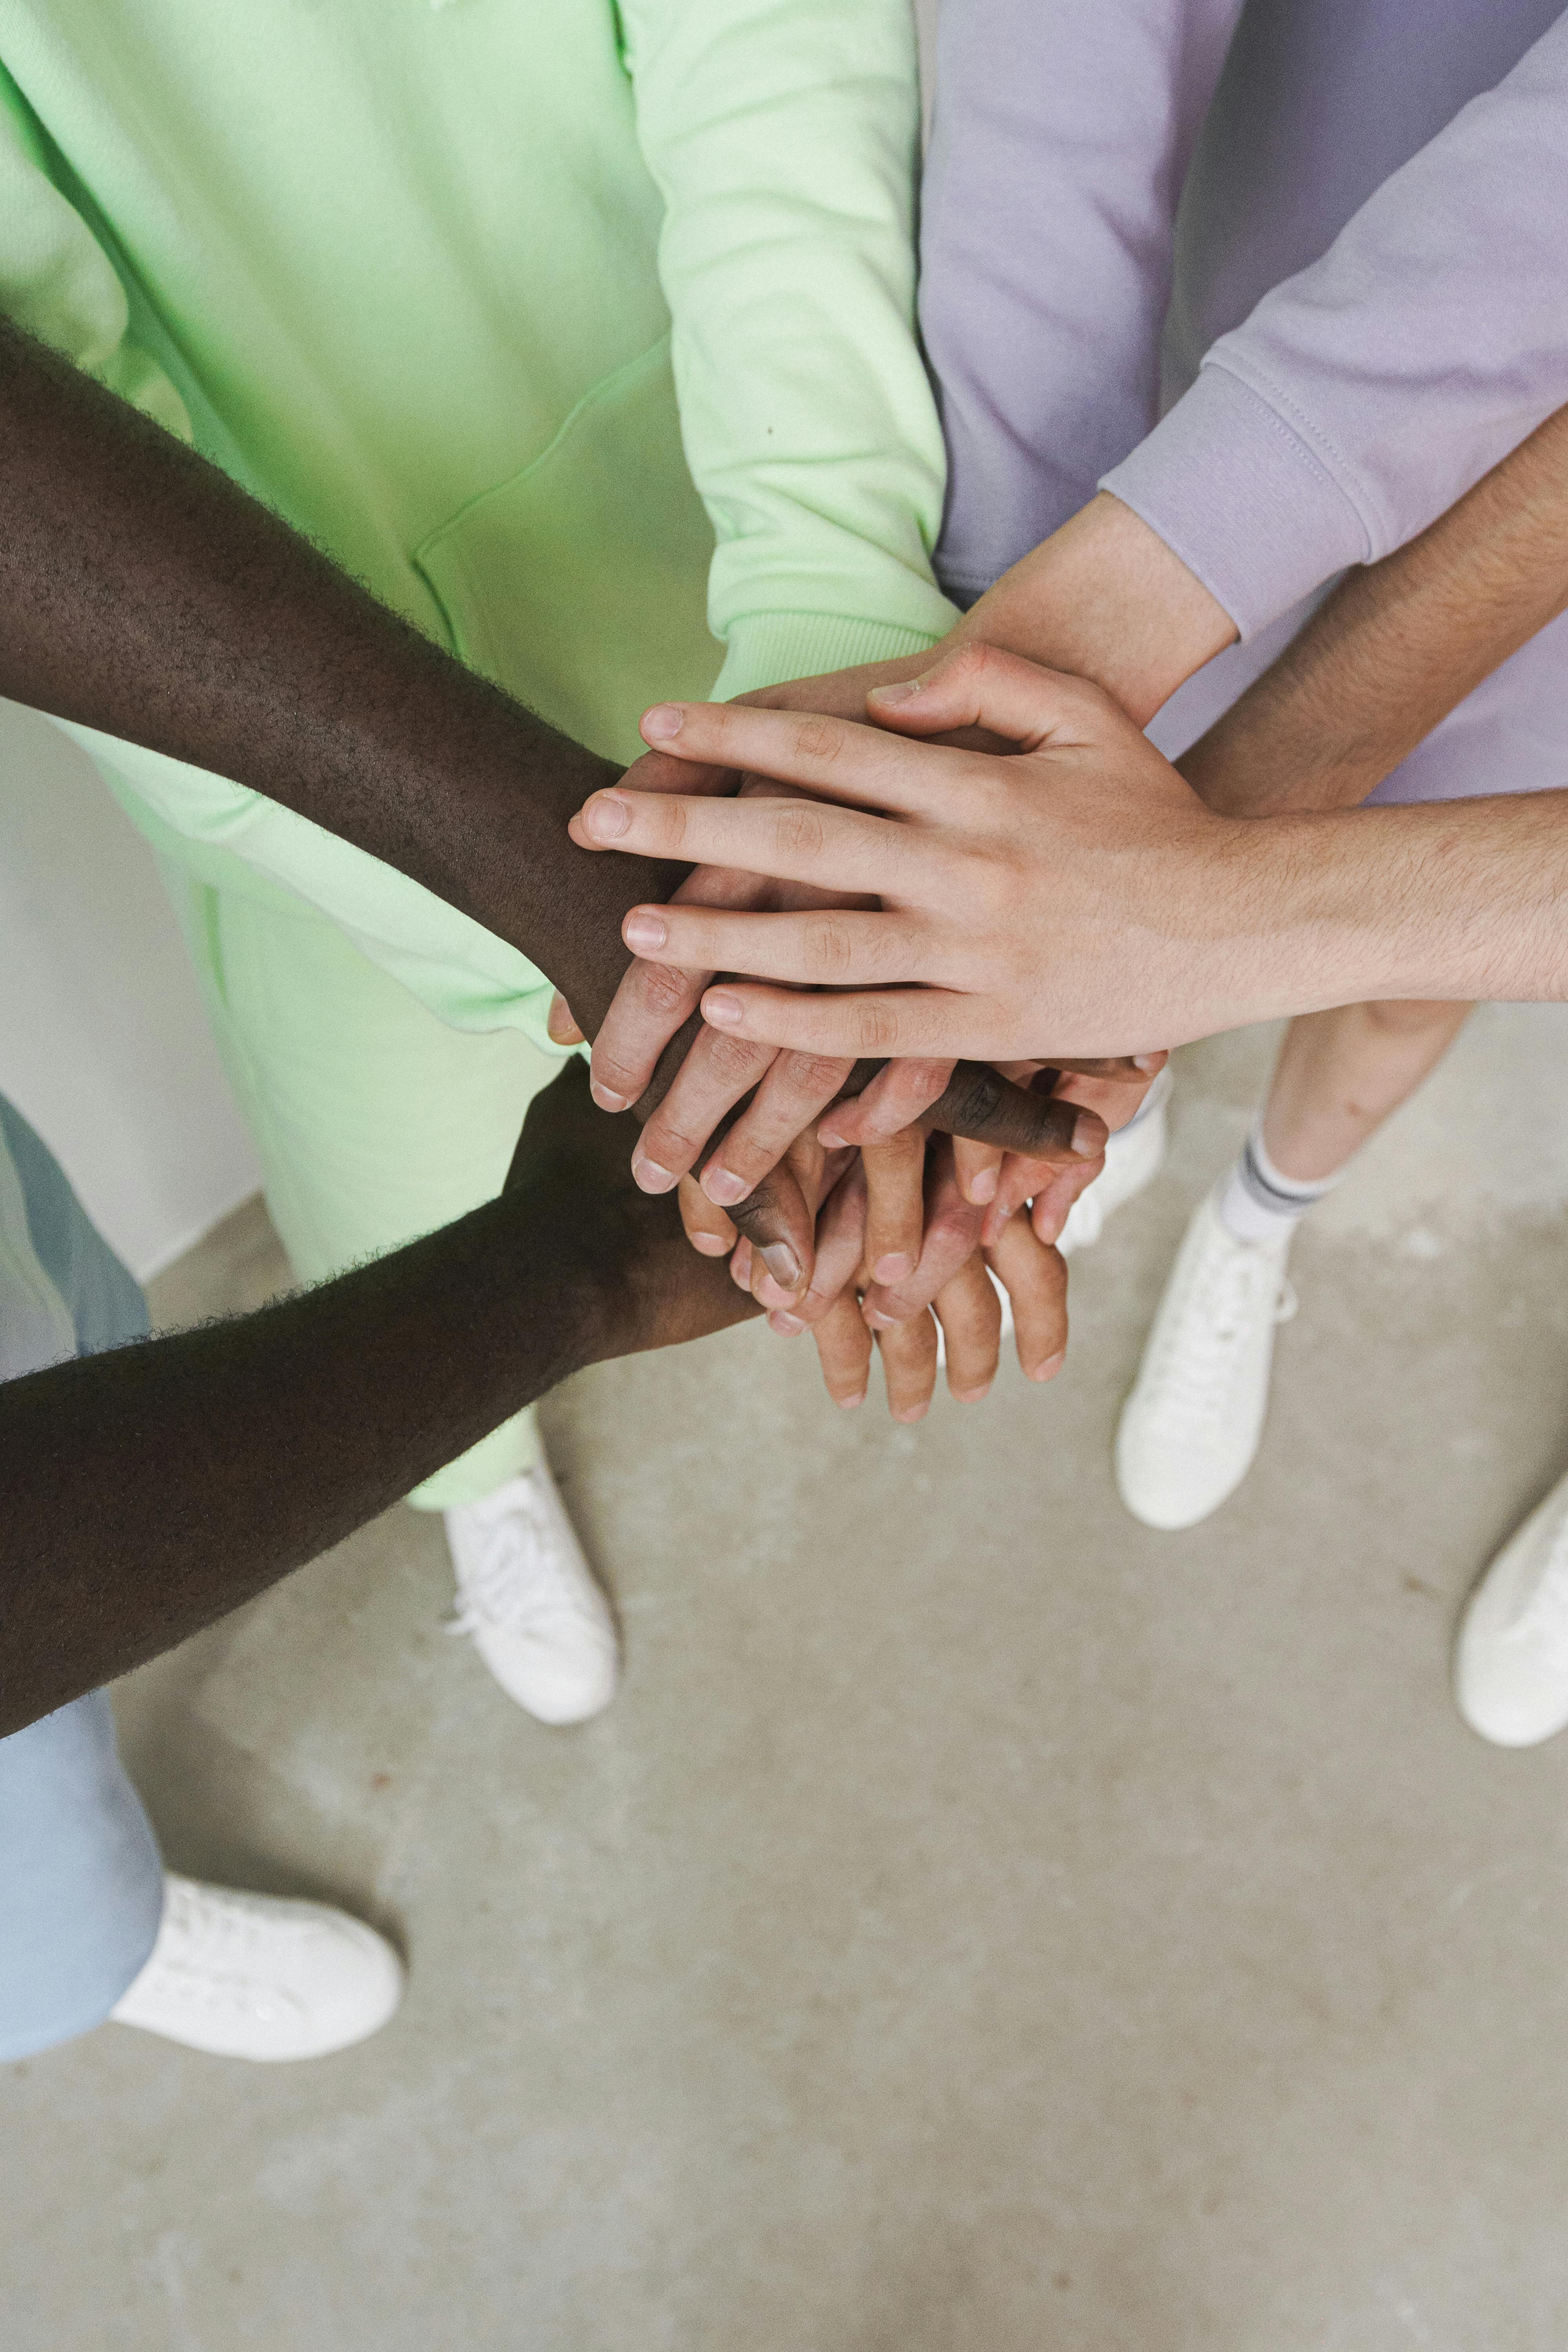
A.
pixel 1236 493
pixel 770 648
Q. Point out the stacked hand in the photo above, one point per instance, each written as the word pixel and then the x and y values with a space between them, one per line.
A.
pixel 905 1225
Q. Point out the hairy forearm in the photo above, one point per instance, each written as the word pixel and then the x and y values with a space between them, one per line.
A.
pixel 144 1492
pixel 143 592
pixel 1454 899
pixel 1398 645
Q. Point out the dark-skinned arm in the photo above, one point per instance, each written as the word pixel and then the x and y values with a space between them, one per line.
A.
pixel 143 593
pixel 139 1490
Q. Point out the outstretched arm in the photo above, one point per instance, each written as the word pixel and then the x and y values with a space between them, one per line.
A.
pixel 144 593
pixel 139 1490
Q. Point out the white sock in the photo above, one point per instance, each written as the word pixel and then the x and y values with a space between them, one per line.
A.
pixel 1258 1203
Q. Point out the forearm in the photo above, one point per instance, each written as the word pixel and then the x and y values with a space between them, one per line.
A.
pixel 1105 598
pixel 1398 645
pixel 144 1492
pixel 143 593
pixel 1455 899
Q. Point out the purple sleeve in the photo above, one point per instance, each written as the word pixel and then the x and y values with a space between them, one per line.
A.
pixel 1366 393
pixel 1061 136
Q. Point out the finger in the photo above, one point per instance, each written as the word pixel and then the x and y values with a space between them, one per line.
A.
pixel 788 1100
pixel 876 1023
pixel 785 1203
pixel 978 1168
pixel 561 1027
pixel 740 1263
pixel 970 1314
pixel 1035 1280
pixel 843 1351
pixel 909 1365
pixel 895 1099
pixel 840 1247
pixel 652 1005
pixel 791 838
pixel 1050 1205
pixel 951 1235
pixel 977 686
pixel 895 1204
pixel 661 772
pixel 982 1104
pixel 708 1229
pixel 654 1002
pixel 714 1077
pixel 834 759
pixel 780 1225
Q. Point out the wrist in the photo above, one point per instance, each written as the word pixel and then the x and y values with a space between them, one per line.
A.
pixel 1106 599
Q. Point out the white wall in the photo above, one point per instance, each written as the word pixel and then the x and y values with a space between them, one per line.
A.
pixel 103 1041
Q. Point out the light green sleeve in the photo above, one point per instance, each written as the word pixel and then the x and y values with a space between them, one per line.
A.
pixel 785 141
pixel 57 282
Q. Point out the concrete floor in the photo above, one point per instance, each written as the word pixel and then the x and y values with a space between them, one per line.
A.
pixel 981 1925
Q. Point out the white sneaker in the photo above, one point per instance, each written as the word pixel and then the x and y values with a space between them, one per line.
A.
pixel 1132 1160
pixel 1192 1425
pixel 249 1976
pixel 528 1596
pixel 1510 1659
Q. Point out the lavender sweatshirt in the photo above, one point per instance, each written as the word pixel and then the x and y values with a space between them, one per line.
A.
pixel 1324 243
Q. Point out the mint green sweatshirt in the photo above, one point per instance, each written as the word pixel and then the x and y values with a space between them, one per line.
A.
pixel 582 333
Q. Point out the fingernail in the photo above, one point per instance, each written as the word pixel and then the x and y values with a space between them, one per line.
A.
pixel 891 1269
pixel 830 1140
pixel 723 1186
pixel 899 693
pixel 969 1396
pixel 710 1245
pixel 723 1011
pixel 983 1188
pixel 786 1326
pixel 876 1319
pixel 606 1097
pixel 1085 1142
pixel 1146 1061
pixel 644 933
pixel 1048 1370
pixel 911 1412
pixel 650 1177
pixel 607 817
pixel 661 722
pixel 782 1264
pixel 850 1404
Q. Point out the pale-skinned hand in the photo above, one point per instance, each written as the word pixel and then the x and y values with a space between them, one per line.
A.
pixel 1076 900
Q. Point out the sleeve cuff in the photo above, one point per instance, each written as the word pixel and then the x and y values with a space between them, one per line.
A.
pixel 770 648
pixel 1237 493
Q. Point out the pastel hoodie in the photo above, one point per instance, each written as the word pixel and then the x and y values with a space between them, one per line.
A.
pixel 1287 277
pixel 582 331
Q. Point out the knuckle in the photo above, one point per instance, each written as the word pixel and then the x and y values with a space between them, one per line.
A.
pixel 815 1074
pixel 974 1095
pixel 798 828
pixel 876 1029
pixel 816 738
pixel 666 990
pixel 736 1062
pixel 829 948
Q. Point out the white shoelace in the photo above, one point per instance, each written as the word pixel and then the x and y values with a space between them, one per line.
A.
pixel 207 1947
pixel 510 1586
pixel 1197 1374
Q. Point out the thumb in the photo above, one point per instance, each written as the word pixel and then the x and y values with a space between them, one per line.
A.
pixel 977 686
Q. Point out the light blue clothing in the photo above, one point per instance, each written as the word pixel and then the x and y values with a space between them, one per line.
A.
pixel 81 1882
